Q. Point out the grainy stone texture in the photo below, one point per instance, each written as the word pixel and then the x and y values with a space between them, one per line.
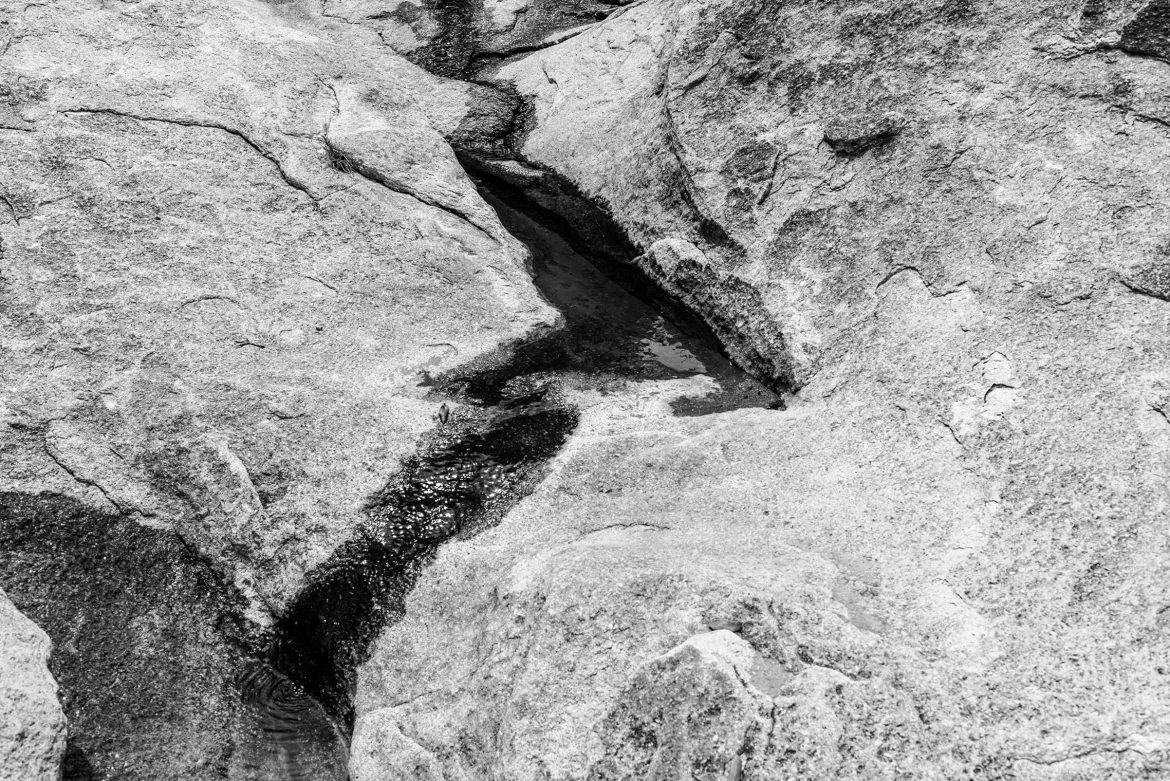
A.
pixel 234 236
pixel 32 726
pixel 945 224
pixel 231 241
pixel 455 38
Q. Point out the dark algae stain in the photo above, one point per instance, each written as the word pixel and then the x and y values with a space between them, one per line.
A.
pixel 1149 32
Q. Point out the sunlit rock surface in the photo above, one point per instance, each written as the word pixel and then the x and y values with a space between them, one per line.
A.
pixel 231 241
pixel 32 726
pixel 948 223
pixel 234 237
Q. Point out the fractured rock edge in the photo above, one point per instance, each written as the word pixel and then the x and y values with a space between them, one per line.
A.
pixel 32 722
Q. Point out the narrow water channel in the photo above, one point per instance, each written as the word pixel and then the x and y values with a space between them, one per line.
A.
pixel 511 420
pixel 140 709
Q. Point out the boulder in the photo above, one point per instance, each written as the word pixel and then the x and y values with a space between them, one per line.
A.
pixel 233 243
pixel 942 225
pixel 32 725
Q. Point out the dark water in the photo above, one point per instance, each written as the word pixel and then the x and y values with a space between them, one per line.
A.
pixel 617 328
pixel 472 473
pixel 486 457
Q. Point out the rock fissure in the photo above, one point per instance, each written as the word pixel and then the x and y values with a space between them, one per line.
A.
pixel 244 372
pixel 267 155
pixel 348 164
pixel 487 455
pixel 49 451
pixel 481 58
pixel 157 652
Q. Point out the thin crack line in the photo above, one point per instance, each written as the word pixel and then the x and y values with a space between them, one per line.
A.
pixel 83 481
pixel 289 180
pixel 8 203
pixel 374 176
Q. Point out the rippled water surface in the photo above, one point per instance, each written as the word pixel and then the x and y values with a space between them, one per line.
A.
pixel 285 734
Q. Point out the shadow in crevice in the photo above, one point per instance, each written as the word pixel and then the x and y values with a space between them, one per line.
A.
pixel 618 325
pixel 494 449
pixel 160 674
pixel 75 765
pixel 466 480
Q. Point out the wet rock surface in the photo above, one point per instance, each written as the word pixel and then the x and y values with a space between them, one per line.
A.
pixel 236 236
pixel 934 220
pixel 158 526
pixel 212 342
pixel 204 316
pixel 146 638
pixel 516 413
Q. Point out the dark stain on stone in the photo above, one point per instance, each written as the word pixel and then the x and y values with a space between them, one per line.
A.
pixel 1149 32
pixel 405 12
pixel 1151 278
pixel 465 481
pixel 1094 10
pixel 449 53
pixel 852 136
pixel 751 162
pixel 468 40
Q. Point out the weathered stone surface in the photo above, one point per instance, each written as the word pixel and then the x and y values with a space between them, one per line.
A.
pixel 232 241
pixel 235 237
pixel 32 726
pixel 947 551
pixel 455 38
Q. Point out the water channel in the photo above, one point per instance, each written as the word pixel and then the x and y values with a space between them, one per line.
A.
pixel 286 703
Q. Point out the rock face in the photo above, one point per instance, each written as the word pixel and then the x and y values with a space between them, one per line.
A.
pixel 457 38
pixel 232 241
pixel 944 225
pixel 32 726
pixel 236 235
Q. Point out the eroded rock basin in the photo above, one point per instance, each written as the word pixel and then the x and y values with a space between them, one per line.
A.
pixel 162 678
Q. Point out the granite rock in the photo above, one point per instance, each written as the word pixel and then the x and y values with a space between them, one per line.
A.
pixel 32 725
pixel 233 241
pixel 943 227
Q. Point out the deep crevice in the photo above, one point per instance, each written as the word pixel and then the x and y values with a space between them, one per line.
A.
pixel 516 414
pixel 282 701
